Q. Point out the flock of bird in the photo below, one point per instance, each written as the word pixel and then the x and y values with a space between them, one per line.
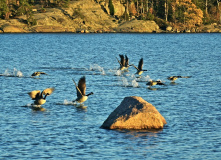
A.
pixel 124 65
pixel 40 97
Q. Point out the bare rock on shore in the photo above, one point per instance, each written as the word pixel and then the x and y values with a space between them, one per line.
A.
pixel 12 26
pixel 12 29
pixel 140 26
pixel 80 17
pixel 134 113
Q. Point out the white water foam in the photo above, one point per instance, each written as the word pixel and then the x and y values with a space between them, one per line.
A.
pixel 15 73
pixel 129 82
pixel 96 67
pixel 143 78
pixel 66 102
pixel 135 83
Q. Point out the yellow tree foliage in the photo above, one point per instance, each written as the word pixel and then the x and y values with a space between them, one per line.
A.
pixel 132 9
pixel 191 16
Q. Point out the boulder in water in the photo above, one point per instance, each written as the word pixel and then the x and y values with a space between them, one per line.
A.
pixel 134 113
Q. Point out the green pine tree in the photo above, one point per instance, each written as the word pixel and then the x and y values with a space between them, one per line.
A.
pixel 111 7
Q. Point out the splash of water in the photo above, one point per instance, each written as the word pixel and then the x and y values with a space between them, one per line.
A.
pixel 135 83
pixel 66 102
pixel 96 67
pixel 19 74
pixel 125 81
pixel 144 78
pixel 6 73
pixel 117 73
pixel 15 73
pixel 28 105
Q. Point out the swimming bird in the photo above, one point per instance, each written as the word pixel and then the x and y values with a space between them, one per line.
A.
pixel 173 78
pixel 38 73
pixel 81 90
pixel 140 67
pixel 121 62
pixel 40 97
pixel 153 83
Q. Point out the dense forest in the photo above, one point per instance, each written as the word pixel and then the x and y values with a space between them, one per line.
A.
pixel 187 13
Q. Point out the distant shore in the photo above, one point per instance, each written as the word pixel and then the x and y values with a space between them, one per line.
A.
pixel 90 19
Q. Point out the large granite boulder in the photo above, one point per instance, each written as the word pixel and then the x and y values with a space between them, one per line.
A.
pixel 134 113
pixel 12 29
pixel 140 26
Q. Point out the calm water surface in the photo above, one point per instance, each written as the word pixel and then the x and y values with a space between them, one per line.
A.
pixel 191 106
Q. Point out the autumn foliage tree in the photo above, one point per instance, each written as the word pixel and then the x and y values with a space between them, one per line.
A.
pixel 186 13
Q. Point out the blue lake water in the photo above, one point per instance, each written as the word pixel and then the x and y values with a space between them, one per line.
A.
pixel 191 106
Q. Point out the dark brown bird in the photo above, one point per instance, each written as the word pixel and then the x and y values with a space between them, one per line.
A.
pixel 153 83
pixel 140 67
pixel 38 73
pixel 121 62
pixel 81 90
pixel 173 78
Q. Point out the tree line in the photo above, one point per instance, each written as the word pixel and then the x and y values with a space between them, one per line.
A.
pixel 189 13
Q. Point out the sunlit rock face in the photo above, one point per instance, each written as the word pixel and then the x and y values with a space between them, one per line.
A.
pixel 134 113
pixel 12 29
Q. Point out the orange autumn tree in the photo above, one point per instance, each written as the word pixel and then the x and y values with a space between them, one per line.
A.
pixel 186 13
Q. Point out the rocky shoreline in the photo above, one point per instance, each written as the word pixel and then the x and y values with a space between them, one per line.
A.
pixel 82 17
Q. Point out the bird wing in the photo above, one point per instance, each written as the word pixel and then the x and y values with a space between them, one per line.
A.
pixel 171 77
pixel 186 76
pixel 159 82
pixel 118 61
pixel 126 61
pixel 79 94
pixel 122 59
pixel 82 85
pixel 43 73
pixel 34 94
pixel 33 74
pixel 38 73
pixel 140 65
pixel 135 66
pixel 48 91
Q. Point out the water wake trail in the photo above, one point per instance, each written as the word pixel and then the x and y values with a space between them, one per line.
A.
pixel 14 73
pixel 97 68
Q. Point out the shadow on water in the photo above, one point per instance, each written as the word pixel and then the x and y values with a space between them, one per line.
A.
pixel 35 107
pixel 76 105
pixel 139 133
pixel 174 83
pixel 156 89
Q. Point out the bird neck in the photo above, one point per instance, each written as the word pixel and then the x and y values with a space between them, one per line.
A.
pixel 45 96
pixel 90 94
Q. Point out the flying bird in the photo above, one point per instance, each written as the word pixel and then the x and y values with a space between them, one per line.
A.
pixel 81 90
pixel 140 67
pixel 38 73
pixel 173 78
pixel 40 97
pixel 153 83
pixel 121 62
